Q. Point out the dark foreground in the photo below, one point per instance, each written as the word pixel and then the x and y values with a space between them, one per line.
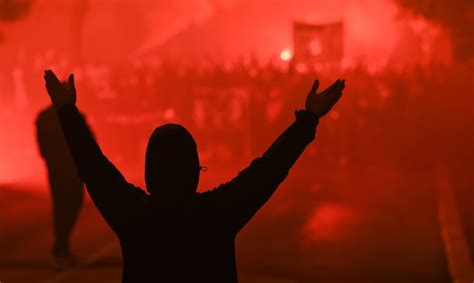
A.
pixel 386 229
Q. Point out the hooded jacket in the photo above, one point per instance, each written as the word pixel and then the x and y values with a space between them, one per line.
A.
pixel 188 237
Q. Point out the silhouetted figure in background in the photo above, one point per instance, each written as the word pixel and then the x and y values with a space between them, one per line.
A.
pixel 174 234
pixel 66 186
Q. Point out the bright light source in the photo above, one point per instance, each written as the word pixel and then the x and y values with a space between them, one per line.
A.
pixel 285 55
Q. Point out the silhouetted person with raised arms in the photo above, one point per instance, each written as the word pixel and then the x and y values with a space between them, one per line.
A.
pixel 173 233
pixel 65 185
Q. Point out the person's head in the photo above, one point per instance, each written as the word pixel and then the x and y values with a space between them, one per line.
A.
pixel 172 162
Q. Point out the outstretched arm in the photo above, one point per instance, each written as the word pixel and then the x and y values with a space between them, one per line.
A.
pixel 113 195
pixel 239 199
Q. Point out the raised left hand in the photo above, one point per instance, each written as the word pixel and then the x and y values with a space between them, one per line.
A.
pixel 60 93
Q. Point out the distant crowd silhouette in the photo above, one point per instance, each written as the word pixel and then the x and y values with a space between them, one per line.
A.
pixel 173 233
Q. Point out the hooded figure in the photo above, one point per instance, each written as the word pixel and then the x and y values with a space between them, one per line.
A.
pixel 172 163
pixel 173 233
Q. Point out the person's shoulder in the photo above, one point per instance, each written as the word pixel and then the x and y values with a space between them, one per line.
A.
pixel 203 197
pixel 138 191
pixel 212 194
pixel 206 194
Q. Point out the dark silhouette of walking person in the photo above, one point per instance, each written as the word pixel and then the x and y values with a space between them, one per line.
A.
pixel 65 185
pixel 173 233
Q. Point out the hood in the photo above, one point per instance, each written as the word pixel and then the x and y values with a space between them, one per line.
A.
pixel 172 162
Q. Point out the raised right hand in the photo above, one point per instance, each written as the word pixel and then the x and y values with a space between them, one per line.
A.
pixel 321 103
